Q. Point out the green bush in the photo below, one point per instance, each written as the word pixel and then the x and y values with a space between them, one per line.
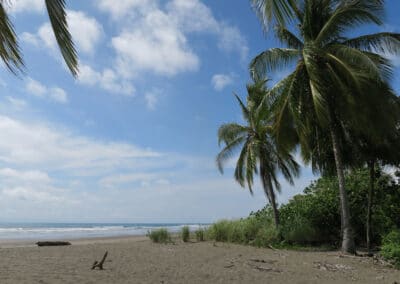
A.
pixel 159 236
pixel 219 231
pixel 298 230
pixel 185 234
pixel 390 249
pixel 200 235
pixel 254 230
pixel 267 236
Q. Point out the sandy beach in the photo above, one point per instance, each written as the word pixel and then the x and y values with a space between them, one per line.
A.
pixel 138 260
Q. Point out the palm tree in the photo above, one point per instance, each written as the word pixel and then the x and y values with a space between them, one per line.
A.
pixel 332 79
pixel 259 152
pixel 9 48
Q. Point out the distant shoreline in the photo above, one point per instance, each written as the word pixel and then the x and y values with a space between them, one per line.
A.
pixel 15 243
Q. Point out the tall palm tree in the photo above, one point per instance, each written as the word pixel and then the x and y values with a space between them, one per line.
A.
pixel 259 152
pixel 332 79
pixel 9 48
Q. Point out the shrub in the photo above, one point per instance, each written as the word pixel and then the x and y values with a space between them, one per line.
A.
pixel 267 236
pixel 298 230
pixel 200 235
pixel 390 249
pixel 185 234
pixel 219 231
pixel 159 236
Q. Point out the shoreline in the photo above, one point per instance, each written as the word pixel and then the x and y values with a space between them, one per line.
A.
pixel 15 243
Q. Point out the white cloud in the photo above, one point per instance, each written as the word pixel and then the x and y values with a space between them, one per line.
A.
pixel 86 32
pixel 59 95
pixel 155 38
pixel 40 145
pixel 107 80
pixel 37 89
pixel 152 99
pixel 231 40
pixel 154 45
pixel 125 7
pixel 220 81
pixel 19 6
pixel 17 103
pixel 194 16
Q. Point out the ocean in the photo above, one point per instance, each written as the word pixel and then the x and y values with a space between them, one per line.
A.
pixel 53 231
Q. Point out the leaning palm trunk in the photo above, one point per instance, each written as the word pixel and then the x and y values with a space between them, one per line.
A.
pixel 348 245
pixel 274 205
pixel 371 166
pixel 269 192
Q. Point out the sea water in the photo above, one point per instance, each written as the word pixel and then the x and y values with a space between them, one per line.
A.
pixel 49 231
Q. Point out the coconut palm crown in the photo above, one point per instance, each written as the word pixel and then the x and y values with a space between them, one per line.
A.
pixel 259 153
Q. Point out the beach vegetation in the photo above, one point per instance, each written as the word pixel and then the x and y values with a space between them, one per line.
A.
pixel 200 235
pixel 391 247
pixel 339 85
pixel 185 234
pixel 160 236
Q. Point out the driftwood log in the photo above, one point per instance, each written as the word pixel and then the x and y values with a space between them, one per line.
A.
pixel 58 243
pixel 99 265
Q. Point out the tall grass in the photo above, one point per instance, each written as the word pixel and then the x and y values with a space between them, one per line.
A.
pixel 185 234
pixel 249 231
pixel 200 235
pixel 160 236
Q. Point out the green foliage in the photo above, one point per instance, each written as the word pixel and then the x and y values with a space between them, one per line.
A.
pixel 200 235
pixel 391 247
pixel 314 217
pixel 160 236
pixel 258 230
pixel 185 233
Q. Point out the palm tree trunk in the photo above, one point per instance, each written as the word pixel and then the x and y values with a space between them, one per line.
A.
pixel 269 192
pixel 348 245
pixel 273 204
pixel 371 166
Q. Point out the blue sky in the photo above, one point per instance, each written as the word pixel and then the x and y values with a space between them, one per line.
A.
pixel 133 138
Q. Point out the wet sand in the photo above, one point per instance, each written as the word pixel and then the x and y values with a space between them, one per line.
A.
pixel 138 260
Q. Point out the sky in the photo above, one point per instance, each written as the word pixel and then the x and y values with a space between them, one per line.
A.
pixel 134 137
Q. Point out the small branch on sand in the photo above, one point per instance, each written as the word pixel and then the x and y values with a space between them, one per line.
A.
pixel 99 265
pixel 266 269
pixel 43 244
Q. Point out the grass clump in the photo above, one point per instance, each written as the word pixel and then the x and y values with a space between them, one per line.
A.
pixel 390 249
pixel 200 235
pixel 185 234
pixel 160 236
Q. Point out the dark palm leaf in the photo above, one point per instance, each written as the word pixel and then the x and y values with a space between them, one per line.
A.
pixel 58 20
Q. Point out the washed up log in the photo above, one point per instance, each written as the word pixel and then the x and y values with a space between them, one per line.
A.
pixel 99 265
pixel 57 243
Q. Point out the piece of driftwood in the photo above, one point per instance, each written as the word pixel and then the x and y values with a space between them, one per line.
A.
pixel 57 243
pixel 99 265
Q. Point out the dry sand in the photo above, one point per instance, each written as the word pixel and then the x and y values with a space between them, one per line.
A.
pixel 137 260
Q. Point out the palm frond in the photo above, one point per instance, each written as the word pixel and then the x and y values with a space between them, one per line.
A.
pixel 347 15
pixel 288 38
pixel 9 48
pixel 228 151
pixel 58 19
pixel 268 11
pixel 271 60
pixel 379 42
pixel 230 131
